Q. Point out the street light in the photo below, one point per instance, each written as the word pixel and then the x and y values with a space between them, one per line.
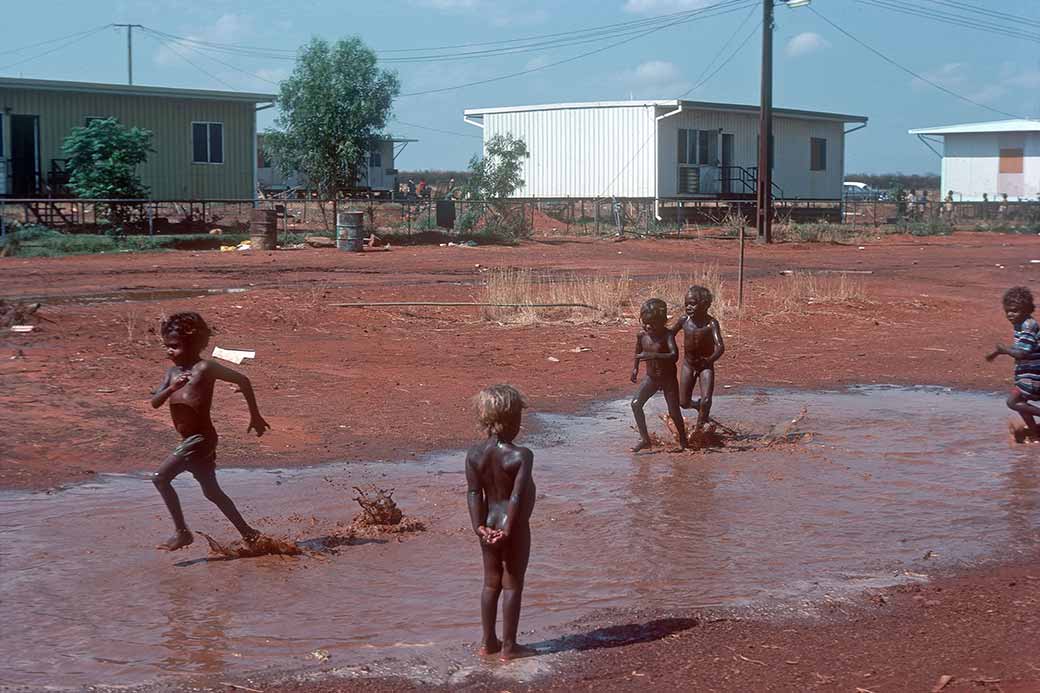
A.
pixel 764 189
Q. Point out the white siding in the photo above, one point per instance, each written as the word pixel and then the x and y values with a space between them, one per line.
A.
pixel 583 152
pixel 971 164
pixel 791 150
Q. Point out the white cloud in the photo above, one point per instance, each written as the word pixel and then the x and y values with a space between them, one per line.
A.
pixel 653 78
pixel 449 5
pixel 950 75
pixel 662 6
pixel 652 72
pixel 805 43
pixel 228 28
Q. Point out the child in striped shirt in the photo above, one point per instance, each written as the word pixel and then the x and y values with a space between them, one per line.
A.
pixel 1018 307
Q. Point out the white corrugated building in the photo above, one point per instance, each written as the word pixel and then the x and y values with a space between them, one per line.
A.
pixel 993 158
pixel 669 149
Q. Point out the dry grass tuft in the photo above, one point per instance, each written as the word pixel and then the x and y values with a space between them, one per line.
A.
pixel 608 297
pixel 801 289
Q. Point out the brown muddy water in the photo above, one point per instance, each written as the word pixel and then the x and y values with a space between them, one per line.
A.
pixel 891 476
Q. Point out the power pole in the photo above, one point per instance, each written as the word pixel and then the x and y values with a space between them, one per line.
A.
pixel 129 50
pixel 764 191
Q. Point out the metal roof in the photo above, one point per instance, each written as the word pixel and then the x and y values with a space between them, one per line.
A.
pixel 132 90
pixel 1016 125
pixel 672 103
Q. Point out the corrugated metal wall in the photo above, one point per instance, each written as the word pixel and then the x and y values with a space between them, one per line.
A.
pixel 583 152
pixel 971 165
pixel 791 150
pixel 169 172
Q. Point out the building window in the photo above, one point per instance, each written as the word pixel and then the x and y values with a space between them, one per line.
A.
pixel 207 143
pixel 1011 160
pixel 375 160
pixel 817 154
pixel 699 147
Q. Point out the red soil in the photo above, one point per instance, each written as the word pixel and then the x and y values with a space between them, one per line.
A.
pixel 345 383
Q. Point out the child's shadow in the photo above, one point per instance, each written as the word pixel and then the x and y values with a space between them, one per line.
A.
pixel 328 544
pixel 615 636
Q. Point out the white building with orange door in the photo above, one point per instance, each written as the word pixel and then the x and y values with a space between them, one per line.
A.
pixel 993 159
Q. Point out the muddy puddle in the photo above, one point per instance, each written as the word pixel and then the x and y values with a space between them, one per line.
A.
pixel 127 296
pixel 894 481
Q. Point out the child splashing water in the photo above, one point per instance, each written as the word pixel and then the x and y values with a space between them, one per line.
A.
pixel 656 346
pixel 702 347
pixel 501 496
pixel 1018 308
pixel 188 386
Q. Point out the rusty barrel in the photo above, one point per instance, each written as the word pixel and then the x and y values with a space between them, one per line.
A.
pixel 263 229
pixel 349 231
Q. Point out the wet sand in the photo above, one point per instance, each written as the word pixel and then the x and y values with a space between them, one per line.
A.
pixel 875 499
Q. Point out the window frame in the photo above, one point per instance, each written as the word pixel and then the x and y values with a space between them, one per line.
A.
pixel 209 143
pixel 375 160
pixel 812 154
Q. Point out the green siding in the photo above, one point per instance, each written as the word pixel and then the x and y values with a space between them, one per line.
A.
pixel 169 172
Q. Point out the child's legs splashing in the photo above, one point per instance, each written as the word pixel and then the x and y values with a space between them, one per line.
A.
pixel 646 390
pixel 206 475
pixel 163 480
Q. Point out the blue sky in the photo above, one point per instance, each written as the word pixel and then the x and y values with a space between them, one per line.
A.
pixel 816 67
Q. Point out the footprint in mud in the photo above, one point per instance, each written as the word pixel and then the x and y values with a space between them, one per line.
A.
pixel 262 546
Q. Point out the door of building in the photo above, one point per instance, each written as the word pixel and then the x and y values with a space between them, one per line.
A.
pixel 25 155
pixel 727 161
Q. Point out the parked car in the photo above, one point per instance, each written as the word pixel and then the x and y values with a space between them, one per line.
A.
pixel 853 190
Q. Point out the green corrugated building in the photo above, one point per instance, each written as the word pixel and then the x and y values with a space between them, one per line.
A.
pixel 204 141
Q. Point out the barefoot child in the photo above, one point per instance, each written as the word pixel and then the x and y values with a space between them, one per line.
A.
pixel 1018 307
pixel 188 386
pixel 501 498
pixel 702 347
pixel 656 345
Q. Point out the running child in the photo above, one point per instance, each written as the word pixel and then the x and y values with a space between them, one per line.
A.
pixel 702 347
pixel 656 346
pixel 501 497
pixel 188 385
pixel 1018 307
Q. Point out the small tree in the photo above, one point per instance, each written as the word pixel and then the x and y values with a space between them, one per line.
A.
pixel 103 158
pixel 496 176
pixel 333 107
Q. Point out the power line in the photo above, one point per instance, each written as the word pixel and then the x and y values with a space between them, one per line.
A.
pixel 443 132
pixel 560 62
pixel 160 35
pixel 910 72
pixel 80 37
pixel 955 20
pixel 984 11
pixel 53 40
pixel 187 59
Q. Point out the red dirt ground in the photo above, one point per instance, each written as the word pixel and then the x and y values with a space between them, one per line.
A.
pixel 344 383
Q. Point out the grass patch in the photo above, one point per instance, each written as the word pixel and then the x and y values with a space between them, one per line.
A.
pixel 40 241
pixel 607 295
pixel 818 232
pixel 801 289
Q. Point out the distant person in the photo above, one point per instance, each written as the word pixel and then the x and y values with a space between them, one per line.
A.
pixel 422 190
pixel 1018 308
pixel 702 347
pixel 188 385
pixel 948 205
pixel 500 497
pixel 411 187
pixel 1002 209
pixel 655 345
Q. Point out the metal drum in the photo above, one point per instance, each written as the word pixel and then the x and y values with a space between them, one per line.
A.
pixel 349 231
pixel 263 229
